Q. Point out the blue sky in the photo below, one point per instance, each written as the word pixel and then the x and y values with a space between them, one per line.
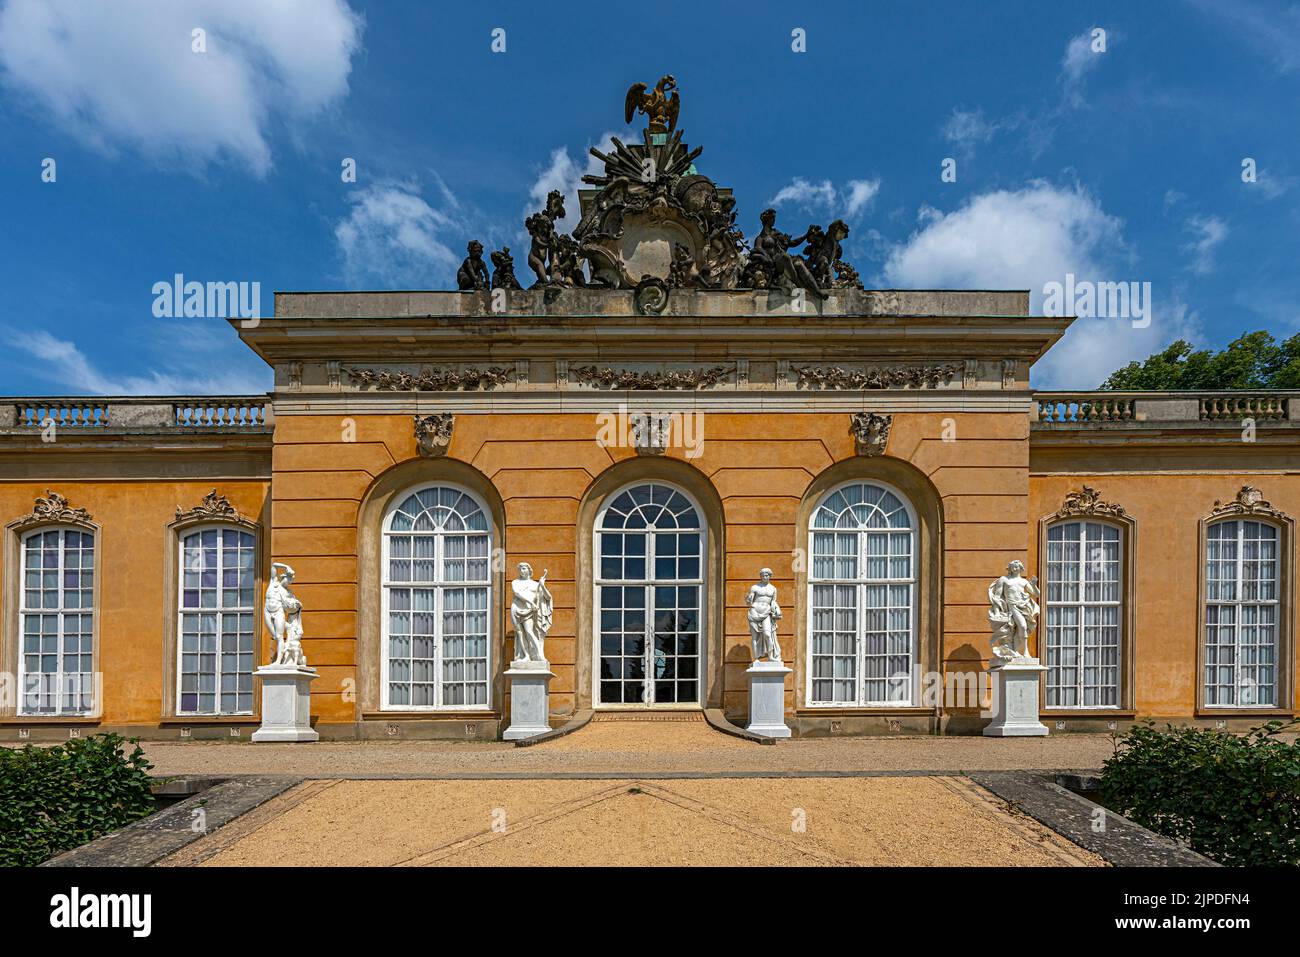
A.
pixel 224 165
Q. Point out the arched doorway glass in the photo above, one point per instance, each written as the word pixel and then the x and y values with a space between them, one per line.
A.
pixel 649 576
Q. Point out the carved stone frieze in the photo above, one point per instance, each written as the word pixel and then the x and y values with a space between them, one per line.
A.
pixel 891 377
pixel 608 378
pixel 433 380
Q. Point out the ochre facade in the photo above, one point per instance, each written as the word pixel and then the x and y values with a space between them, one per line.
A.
pixel 984 463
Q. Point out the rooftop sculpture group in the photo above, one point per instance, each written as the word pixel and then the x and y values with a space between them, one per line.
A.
pixel 653 219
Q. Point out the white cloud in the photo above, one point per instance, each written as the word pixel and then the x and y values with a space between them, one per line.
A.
pixel 848 200
pixel 125 74
pixel 565 173
pixel 1023 239
pixel 1079 60
pixel 190 359
pixel 967 129
pixel 1273 30
pixel 1208 233
pixel 394 237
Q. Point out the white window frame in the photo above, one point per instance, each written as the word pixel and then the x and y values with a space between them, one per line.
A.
pixel 386 583
pixel 1279 578
pixel 181 610
pixel 860 589
pixel 60 611
pixel 1120 606
pixel 702 583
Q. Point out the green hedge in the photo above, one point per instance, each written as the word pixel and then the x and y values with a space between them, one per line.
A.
pixel 1233 798
pixel 57 798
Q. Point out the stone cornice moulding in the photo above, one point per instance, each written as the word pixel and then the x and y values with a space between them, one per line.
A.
pixel 886 377
pixel 434 380
pixel 1088 503
pixel 616 379
pixel 213 507
pixel 54 509
pixel 1249 501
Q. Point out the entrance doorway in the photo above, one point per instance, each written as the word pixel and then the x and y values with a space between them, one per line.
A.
pixel 649 601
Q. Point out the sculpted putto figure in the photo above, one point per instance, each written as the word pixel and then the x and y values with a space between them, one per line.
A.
pixel 282 612
pixel 531 611
pixel 764 613
pixel 1013 612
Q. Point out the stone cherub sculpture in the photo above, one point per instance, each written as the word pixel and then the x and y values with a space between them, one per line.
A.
pixel 282 612
pixel 531 611
pixel 764 613
pixel 1013 612
pixel 473 272
pixel 543 252
pixel 503 269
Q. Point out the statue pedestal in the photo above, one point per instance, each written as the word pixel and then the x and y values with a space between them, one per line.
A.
pixel 767 699
pixel 286 703
pixel 529 699
pixel 1015 691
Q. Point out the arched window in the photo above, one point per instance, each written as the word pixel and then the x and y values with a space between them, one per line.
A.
pixel 1083 631
pixel 216 625
pixel 862 603
pixel 649 588
pixel 1242 576
pixel 56 622
pixel 436 597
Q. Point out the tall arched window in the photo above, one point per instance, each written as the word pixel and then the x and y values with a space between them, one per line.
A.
pixel 1084 615
pixel 1242 575
pixel 862 607
pixel 436 597
pixel 216 627
pixel 650 591
pixel 56 621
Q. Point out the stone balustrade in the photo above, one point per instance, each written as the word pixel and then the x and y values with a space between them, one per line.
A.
pixel 1090 409
pixel 147 414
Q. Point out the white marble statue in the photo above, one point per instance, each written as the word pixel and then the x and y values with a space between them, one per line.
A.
pixel 531 611
pixel 283 614
pixel 764 613
pixel 1013 612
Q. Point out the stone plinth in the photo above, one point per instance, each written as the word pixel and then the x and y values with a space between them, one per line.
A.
pixel 767 699
pixel 530 699
pixel 1015 699
pixel 286 703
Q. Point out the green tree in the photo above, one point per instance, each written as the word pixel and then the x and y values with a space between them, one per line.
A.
pixel 1254 361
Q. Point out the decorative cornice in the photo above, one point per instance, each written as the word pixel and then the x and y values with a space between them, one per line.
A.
pixel 628 379
pixel 1249 501
pixel 53 508
pixel 891 377
pixel 1088 502
pixel 431 380
pixel 871 431
pixel 433 433
pixel 213 506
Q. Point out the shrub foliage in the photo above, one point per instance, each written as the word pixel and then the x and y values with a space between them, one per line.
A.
pixel 1233 798
pixel 57 798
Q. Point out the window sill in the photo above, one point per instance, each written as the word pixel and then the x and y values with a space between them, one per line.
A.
pixel 1063 713
pixel 866 710
pixel 202 719
pixel 428 715
pixel 55 719
pixel 1222 713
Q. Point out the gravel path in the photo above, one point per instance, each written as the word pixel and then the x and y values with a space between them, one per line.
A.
pixel 898 821
pixel 633 747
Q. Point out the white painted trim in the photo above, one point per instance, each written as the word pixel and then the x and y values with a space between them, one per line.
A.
pixel 701 669
pixel 384 536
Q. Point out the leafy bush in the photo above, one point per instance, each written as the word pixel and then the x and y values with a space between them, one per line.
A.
pixel 1233 798
pixel 57 798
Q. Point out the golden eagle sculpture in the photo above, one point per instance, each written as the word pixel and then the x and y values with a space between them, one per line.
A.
pixel 659 106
